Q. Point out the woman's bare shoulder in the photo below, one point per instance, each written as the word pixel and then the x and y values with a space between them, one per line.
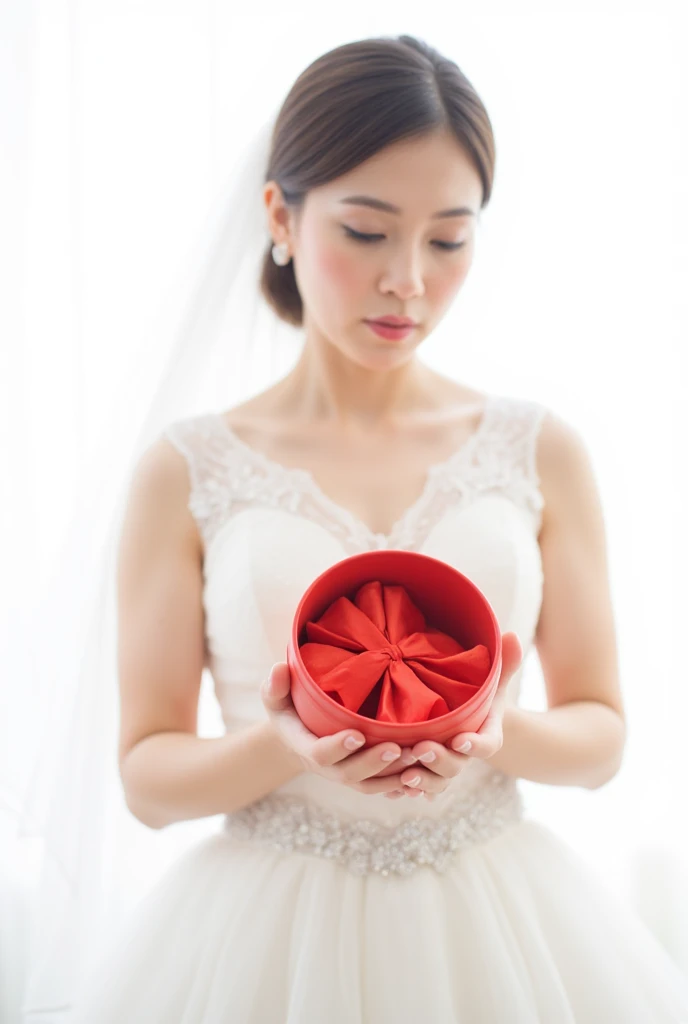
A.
pixel 562 457
pixel 161 486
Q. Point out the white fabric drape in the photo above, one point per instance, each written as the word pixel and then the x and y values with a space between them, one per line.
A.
pixel 117 123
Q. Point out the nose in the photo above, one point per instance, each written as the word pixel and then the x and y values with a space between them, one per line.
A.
pixel 404 277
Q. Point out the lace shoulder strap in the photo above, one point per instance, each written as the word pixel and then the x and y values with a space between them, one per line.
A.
pixel 512 432
pixel 226 475
pixel 197 438
pixel 507 453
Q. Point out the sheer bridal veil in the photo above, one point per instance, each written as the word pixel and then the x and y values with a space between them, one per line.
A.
pixel 214 341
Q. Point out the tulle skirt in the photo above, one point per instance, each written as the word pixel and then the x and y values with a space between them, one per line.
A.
pixel 519 930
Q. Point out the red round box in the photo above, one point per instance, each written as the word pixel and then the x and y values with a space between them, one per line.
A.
pixel 449 601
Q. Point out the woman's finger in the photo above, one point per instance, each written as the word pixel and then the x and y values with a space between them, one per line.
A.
pixel 321 751
pixel 385 785
pixel 396 793
pixel 512 655
pixel 276 696
pixel 421 778
pixel 490 737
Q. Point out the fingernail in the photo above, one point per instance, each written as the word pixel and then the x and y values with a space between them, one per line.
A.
pixel 351 742
pixel 413 782
pixel 389 755
pixel 465 748
pixel 430 756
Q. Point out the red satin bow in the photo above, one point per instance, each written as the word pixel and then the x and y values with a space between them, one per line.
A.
pixel 377 657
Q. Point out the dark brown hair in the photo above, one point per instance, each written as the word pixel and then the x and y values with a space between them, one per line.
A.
pixel 348 105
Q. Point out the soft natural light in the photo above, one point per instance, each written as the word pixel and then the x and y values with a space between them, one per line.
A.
pixel 119 121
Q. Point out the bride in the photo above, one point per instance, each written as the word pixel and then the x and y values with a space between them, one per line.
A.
pixel 351 883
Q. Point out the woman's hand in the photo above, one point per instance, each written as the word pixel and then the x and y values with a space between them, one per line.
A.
pixel 430 777
pixel 327 755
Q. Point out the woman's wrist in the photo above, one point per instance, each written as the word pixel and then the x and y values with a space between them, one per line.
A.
pixel 503 760
pixel 288 758
pixel 576 744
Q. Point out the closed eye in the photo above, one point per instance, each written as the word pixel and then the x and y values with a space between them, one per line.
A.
pixel 359 237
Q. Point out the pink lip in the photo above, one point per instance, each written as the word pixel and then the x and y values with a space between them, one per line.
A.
pixel 394 321
pixel 387 331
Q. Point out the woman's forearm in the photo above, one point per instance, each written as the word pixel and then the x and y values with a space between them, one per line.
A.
pixel 575 744
pixel 178 776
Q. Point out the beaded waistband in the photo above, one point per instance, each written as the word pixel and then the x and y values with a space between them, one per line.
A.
pixel 365 845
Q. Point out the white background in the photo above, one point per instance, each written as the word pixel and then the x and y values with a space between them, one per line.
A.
pixel 118 119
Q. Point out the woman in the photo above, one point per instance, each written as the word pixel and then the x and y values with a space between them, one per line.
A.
pixel 386 884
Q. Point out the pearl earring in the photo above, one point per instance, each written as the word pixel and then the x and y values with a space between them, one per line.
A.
pixel 280 254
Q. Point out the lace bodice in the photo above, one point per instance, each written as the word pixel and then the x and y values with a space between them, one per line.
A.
pixel 269 530
pixel 228 475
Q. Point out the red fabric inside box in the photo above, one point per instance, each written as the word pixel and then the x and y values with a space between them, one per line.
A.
pixel 377 656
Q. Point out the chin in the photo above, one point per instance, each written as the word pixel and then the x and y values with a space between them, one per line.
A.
pixel 376 353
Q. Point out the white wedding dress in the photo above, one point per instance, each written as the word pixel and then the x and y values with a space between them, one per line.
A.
pixel 322 905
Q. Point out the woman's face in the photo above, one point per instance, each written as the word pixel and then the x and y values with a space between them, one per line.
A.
pixel 409 267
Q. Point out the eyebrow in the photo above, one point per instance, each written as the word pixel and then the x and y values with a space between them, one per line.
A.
pixel 379 204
